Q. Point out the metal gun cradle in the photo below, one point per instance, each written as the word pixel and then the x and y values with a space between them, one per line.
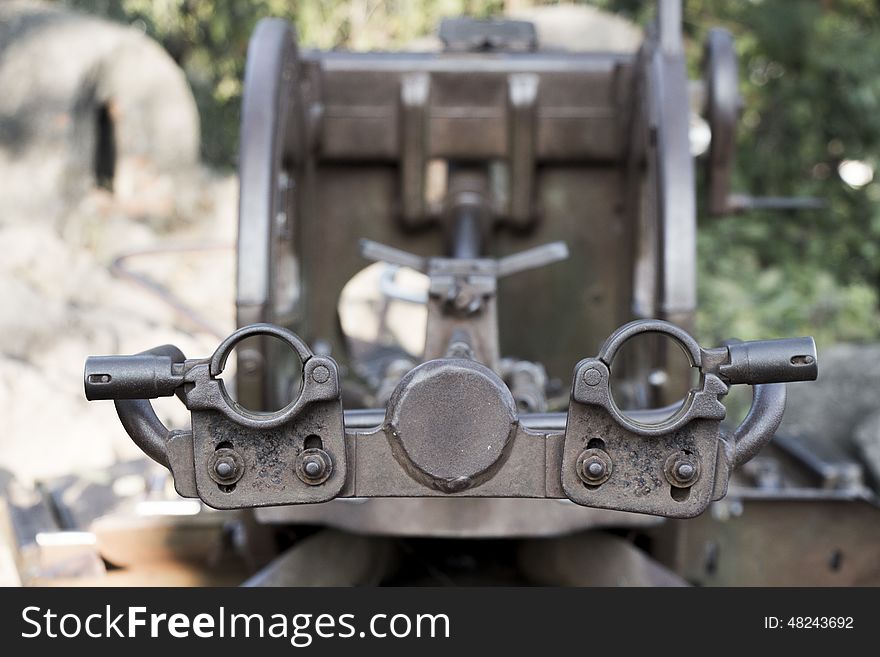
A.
pixel 500 158
pixel 452 428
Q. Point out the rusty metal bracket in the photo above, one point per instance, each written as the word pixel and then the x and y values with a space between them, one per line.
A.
pixel 677 465
pixel 452 428
pixel 292 456
pixel 234 457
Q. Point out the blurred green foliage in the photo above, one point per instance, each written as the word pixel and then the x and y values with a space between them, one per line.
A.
pixel 810 77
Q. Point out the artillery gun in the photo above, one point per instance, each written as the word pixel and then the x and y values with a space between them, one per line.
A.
pixel 544 202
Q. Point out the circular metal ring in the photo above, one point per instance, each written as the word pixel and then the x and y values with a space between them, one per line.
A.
pixel 218 360
pixel 688 344
pixel 236 411
pixel 616 340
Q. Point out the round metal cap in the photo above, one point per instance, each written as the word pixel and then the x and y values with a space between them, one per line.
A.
pixel 450 421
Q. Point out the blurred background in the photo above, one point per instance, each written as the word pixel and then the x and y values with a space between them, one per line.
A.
pixel 811 82
pixel 118 144
pixel 810 79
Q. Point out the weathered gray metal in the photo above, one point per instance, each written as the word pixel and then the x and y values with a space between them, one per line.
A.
pixel 452 427
pixel 542 154
pixel 516 133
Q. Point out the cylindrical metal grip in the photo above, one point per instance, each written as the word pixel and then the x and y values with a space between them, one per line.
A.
pixel 144 376
pixel 772 361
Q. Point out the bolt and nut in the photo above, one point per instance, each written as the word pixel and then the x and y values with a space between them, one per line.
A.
pixel 314 466
pixel 595 470
pixel 682 469
pixel 594 466
pixel 226 466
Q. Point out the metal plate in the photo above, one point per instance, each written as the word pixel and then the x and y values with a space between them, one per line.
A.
pixel 269 457
pixel 638 482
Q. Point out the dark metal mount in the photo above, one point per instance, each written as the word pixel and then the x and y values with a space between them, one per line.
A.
pixel 532 146
pixel 490 155
pixel 452 428
pixel 675 466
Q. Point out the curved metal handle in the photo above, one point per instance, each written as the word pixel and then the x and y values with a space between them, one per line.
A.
pixel 144 427
pixel 761 422
pixel 140 420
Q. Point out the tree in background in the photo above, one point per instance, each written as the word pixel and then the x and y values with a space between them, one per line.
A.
pixel 811 84
pixel 811 81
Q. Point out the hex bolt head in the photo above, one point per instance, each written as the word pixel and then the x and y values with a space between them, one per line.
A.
pixel 225 466
pixel 314 466
pixel 686 471
pixel 682 469
pixel 594 466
